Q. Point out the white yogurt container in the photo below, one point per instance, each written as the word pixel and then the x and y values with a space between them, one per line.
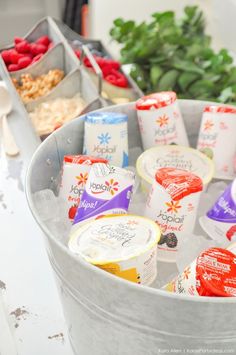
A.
pixel 172 204
pixel 217 139
pixel 108 190
pixel 160 120
pixel 122 245
pixel 106 136
pixel 173 157
pixel 220 221
pixel 212 274
pixel 74 176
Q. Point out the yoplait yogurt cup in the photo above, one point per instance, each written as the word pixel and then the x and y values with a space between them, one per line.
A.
pixel 172 204
pixel 220 221
pixel 160 120
pixel 106 136
pixel 212 273
pixel 169 156
pixel 123 245
pixel 108 190
pixel 217 139
pixel 74 175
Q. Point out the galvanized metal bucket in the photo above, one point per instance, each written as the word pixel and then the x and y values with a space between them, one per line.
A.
pixel 107 315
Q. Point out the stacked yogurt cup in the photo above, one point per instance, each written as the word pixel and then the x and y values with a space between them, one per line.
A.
pixel 173 177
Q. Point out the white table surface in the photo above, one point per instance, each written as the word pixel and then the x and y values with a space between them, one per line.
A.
pixel 31 318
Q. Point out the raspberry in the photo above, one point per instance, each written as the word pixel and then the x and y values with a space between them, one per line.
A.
pixel 14 56
pixel 18 40
pixel 40 48
pixel 162 239
pixel 45 40
pixel 112 63
pixel 24 62
pixel 12 67
pixel 33 47
pixel 29 55
pixel 22 47
pixel 6 56
pixel 36 58
pixel 171 240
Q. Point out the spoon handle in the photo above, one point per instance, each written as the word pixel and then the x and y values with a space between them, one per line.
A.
pixel 9 143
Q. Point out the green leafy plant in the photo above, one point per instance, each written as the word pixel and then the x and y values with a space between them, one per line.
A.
pixel 171 54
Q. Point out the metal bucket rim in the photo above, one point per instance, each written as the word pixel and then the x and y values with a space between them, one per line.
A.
pixel 80 260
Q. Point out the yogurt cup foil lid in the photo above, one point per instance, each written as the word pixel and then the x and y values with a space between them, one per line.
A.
pixel 216 272
pixel 114 238
pixel 156 100
pixel 83 159
pixel 220 109
pixel 106 118
pixel 178 183
pixel 173 156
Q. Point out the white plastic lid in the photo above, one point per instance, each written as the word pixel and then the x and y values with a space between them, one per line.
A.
pixel 174 156
pixel 114 238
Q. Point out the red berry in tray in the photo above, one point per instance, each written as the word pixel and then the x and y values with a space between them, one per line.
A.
pixel 112 63
pixel 45 40
pixel 14 56
pixel 33 49
pixel 22 47
pixel 18 40
pixel 29 55
pixel 40 48
pixel 24 62
pixel 12 67
pixel 6 56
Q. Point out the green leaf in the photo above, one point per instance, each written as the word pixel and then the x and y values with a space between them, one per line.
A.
pixel 155 73
pixel 190 11
pixel 168 80
pixel 118 22
pixel 194 50
pixel 226 95
pixel 232 76
pixel 187 66
pixel 185 79
pixel 201 87
pixel 227 59
pixel 165 18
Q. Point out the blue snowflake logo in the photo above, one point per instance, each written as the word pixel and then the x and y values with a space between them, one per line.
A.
pixel 104 138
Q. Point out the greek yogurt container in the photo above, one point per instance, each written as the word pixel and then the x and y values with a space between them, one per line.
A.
pixel 220 221
pixel 106 136
pixel 172 204
pixel 173 157
pixel 217 139
pixel 122 245
pixel 160 120
pixel 212 273
pixel 74 175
